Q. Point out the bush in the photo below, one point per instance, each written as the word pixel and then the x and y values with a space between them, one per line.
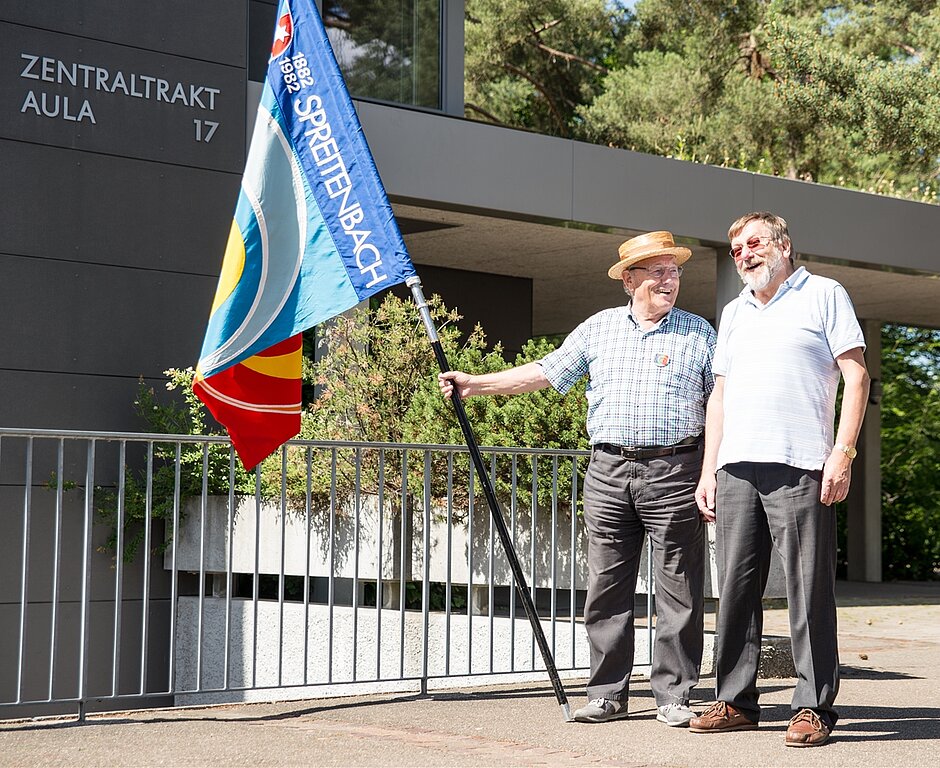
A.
pixel 376 382
pixel 169 418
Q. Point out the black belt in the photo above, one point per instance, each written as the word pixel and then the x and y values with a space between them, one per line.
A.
pixel 637 454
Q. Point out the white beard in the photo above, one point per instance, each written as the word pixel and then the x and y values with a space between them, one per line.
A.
pixel 761 277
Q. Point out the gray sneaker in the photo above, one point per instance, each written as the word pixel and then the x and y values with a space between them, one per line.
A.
pixel 601 710
pixel 674 715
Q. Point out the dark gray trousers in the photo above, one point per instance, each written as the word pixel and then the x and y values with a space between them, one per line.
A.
pixel 622 500
pixel 759 506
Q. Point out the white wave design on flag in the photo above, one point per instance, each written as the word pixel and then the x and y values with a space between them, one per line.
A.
pixel 273 186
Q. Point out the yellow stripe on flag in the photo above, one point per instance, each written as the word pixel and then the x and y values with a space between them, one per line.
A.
pixel 232 267
pixel 279 366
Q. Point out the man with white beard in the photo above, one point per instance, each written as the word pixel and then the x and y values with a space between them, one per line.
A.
pixel 773 469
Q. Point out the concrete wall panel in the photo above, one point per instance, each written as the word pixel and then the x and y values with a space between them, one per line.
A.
pixel 64 669
pixel 101 320
pixel 36 461
pixel 629 189
pixel 210 30
pixel 857 226
pixel 49 564
pixel 64 90
pixel 52 400
pixel 77 206
pixel 261 18
pixel 42 556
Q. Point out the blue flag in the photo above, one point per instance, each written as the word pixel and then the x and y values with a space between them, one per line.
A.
pixel 312 236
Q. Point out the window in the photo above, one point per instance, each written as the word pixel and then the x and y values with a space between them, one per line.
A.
pixel 388 49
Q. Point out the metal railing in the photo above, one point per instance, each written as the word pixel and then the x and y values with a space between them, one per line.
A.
pixel 143 569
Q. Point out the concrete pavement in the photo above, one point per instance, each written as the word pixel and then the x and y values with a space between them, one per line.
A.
pixel 889 705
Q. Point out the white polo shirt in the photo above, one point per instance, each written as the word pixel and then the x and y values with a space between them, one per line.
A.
pixel 781 377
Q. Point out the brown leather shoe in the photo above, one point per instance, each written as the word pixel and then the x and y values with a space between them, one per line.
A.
pixel 719 718
pixel 806 729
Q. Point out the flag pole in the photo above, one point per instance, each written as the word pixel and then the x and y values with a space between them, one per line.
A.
pixel 414 283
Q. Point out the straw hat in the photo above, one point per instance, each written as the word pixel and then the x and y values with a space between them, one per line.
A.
pixel 645 247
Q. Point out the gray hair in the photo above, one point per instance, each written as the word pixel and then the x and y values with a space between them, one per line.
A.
pixel 776 224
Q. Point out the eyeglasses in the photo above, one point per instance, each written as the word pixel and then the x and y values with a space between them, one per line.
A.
pixel 659 273
pixel 754 245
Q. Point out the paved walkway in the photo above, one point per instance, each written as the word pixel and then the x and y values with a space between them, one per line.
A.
pixel 889 704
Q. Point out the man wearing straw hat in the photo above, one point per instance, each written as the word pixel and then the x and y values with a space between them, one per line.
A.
pixel 649 369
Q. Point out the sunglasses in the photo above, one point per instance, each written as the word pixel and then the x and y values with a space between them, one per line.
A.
pixel 754 245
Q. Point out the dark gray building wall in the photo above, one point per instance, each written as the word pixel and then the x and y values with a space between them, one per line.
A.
pixel 122 142
pixel 502 305
pixel 57 607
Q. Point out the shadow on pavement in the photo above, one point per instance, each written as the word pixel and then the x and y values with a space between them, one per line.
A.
pixel 849 593
pixel 221 713
pixel 860 724
pixel 865 673
pixel 890 723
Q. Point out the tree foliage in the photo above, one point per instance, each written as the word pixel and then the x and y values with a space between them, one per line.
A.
pixel 910 453
pixel 376 382
pixel 532 63
pixel 843 93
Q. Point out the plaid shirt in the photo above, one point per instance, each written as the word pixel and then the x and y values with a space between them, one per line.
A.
pixel 646 388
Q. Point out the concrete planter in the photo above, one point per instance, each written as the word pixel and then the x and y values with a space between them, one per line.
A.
pixel 207 547
pixel 380 538
pixel 455 550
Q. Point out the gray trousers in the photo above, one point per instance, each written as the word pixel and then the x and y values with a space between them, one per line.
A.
pixel 622 500
pixel 759 506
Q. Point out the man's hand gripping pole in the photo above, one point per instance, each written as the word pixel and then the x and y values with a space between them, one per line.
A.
pixel 414 283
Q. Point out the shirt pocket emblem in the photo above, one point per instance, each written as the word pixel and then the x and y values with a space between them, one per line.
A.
pixel 661 360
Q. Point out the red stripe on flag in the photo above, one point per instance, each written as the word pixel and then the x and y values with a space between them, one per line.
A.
pixel 291 344
pixel 260 412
